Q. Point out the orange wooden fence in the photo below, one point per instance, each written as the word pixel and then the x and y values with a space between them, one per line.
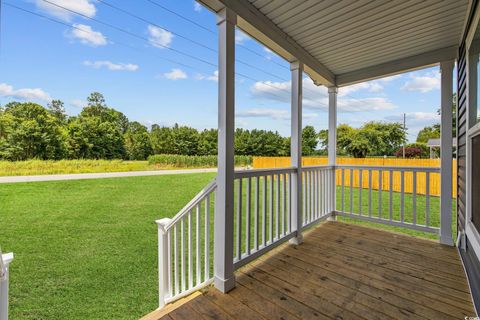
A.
pixel 279 162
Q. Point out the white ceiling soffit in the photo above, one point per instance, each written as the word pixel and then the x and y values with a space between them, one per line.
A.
pixel 350 41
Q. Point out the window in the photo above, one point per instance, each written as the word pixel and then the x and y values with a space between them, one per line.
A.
pixel 474 79
pixel 476 182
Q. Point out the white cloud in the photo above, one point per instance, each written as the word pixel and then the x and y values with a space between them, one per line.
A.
pixel 276 114
pixel 85 7
pixel 158 37
pixel 24 93
pixel 241 37
pixel 415 121
pixel 423 83
pixel 213 77
pixel 315 97
pixel 111 66
pixel 197 6
pixel 77 103
pixel 86 35
pixel 175 74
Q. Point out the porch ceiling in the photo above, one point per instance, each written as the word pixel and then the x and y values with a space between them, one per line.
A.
pixel 343 42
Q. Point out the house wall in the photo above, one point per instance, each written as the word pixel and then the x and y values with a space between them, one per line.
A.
pixel 470 259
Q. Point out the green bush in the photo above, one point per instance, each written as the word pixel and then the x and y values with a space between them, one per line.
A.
pixel 180 161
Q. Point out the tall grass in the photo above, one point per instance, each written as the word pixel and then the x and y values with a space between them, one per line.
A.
pixel 179 161
pixel 40 167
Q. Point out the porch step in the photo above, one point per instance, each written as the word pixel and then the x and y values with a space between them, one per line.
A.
pixel 158 314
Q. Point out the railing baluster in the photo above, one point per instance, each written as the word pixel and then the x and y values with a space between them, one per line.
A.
pixel 351 190
pixel 277 207
pixel 283 199
pixel 182 250
pixel 380 191
pixel 304 196
pixel 310 195
pixel 207 238
pixel 315 194
pixel 402 196
pixel 289 219
pixel 271 210
pixel 175 257
pixel 257 213
pixel 327 192
pixel 427 199
pixel 369 193
pixel 190 262
pixel 239 219
pixel 197 246
pixel 264 211
pixel 248 218
pixel 343 190
pixel 391 196
pixel 169 262
pixel 414 198
pixel 360 189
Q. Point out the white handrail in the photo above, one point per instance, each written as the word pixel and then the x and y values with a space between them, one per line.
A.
pixel 5 260
pixel 192 204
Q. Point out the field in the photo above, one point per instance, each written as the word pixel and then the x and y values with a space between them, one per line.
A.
pixel 87 249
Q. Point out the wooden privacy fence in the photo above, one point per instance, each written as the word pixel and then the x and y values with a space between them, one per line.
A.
pixel 282 162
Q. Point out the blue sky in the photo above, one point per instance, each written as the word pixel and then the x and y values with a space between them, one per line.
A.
pixel 137 73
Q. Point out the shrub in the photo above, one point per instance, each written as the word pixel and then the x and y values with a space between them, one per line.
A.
pixel 414 150
pixel 180 161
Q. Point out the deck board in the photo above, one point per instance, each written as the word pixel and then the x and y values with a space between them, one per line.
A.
pixel 343 271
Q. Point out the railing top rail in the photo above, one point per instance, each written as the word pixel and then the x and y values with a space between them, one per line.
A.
pixel 317 167
pixel 262 172
pixel 192 204
pixel 387 168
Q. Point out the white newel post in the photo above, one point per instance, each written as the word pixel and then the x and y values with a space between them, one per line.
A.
pixel 5 261
pixel 446 69
pixel 296 150
pixel 332 146
pixel 163 284
pixel 224 206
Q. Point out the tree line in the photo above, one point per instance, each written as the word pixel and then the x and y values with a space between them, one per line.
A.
pixel 32 131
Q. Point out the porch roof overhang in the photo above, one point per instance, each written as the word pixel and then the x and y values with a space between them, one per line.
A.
pixel 346 42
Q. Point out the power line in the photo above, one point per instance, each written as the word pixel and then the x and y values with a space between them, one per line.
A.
pixel 143 38
pixel 211 31
pixel 133 48
pixel 131 33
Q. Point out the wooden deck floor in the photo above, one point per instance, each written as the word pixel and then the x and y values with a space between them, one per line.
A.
pixel 341 271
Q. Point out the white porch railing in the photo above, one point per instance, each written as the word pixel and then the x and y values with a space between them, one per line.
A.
pixel 262 221
pixel 5 260
pixel 361 203
pixel 185 248
pixel 264 213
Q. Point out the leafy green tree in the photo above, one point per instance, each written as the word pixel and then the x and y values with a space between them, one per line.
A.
pixel 427 133
pixel 57 109
pixel 137 142
pixel 384 138
pixel 27 131
pixel 309 141
pixel 208 140
pixel 185 140
pixel 161 139
pixel 97 132
pixel 359 146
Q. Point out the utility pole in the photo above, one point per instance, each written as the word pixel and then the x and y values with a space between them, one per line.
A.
pixel 405 132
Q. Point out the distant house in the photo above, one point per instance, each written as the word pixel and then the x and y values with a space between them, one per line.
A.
pixel 435 143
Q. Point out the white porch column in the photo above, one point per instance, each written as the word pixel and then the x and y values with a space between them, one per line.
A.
pixel 296 149
pixel 446 153
pixel 224 204
pixel 332 144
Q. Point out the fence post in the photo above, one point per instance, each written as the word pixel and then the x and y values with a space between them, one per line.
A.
pixel 446 153
pixel 296 150
pixel 332 148
pixel 5 261
pixel 163 267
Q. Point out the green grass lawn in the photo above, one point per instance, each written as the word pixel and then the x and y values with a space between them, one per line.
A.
pixel 87 249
